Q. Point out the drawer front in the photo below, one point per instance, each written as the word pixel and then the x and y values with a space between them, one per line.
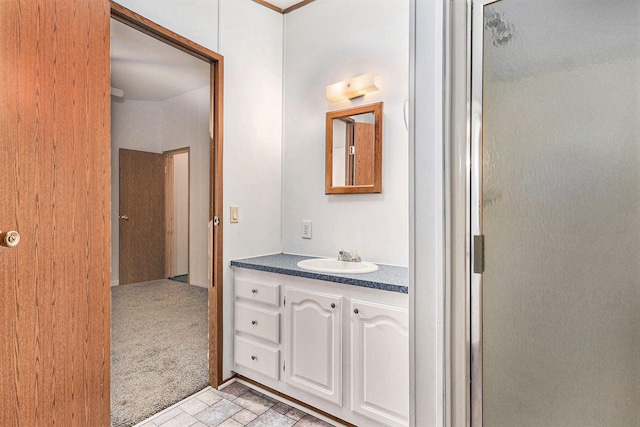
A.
pixel 257 357
pixel 259 292
pixel 261 323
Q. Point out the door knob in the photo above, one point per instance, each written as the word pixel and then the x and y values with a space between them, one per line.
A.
pixel 9 239
pixel 125 217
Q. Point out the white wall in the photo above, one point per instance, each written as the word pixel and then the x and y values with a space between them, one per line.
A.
pixel 326 42
pixel 251 41
pixel 196 20
pixel 185 123
pixel 427 209
pixel 134 125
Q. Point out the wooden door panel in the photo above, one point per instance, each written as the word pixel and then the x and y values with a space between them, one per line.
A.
pixel 54 152
pixel 365 154
pixel 142 202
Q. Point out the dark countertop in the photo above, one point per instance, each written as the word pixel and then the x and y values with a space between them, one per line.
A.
pixel 387 278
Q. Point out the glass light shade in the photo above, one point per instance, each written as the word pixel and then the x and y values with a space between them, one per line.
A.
pixel 352 88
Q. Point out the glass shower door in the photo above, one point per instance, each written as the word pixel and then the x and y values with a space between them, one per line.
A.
pixel 556 194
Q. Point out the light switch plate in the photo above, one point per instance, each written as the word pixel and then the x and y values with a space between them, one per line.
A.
pixel 233 216
pixel 306 229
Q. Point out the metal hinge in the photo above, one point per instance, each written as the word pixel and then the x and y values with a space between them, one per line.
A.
pixel 284 365
pixel 285 300
pixel 478 254
pixel 216 221
pixel 352 150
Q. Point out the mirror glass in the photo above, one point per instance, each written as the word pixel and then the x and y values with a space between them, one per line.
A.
pixel 354 150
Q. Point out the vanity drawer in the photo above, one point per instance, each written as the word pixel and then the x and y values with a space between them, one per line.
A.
pixel 261 323
pixel 257 357
pixel 259 292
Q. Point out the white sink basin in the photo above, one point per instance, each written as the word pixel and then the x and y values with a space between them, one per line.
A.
pixel 330 265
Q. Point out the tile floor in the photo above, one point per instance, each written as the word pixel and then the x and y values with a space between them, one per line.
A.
pixel 235 405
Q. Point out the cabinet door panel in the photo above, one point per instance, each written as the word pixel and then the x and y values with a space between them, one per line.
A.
pixel 380 362
pixel 314 343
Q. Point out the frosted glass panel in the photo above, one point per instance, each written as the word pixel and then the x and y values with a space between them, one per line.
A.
pixel 561 213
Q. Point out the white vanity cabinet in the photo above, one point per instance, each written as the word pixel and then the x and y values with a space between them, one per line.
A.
pixel 380 362
pixel 313 337
pixel 257 327
pixel 340 348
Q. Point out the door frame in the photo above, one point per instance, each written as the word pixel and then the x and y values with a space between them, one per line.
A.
pixel 169 207
pixel 475 70
pixel 138 22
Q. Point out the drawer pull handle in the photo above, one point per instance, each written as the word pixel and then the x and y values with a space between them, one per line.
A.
pixel 254 291
pixel 333 305
pixel 253 322
pixel 253 357
pixel 355 310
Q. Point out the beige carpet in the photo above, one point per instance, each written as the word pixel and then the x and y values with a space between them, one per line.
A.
pixel 158 347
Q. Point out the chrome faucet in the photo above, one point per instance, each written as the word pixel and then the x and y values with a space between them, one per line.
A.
pixel 349 256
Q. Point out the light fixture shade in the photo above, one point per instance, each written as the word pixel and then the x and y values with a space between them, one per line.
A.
pixel 352 88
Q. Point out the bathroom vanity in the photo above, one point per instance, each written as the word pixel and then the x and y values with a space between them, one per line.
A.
pixel 337 342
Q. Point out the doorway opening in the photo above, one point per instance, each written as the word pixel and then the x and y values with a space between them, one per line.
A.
pixel 177 134
pixel 177 214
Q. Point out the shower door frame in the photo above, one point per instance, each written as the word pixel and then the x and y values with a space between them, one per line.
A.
pixel 475 40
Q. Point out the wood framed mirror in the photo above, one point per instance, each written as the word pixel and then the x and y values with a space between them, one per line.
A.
pixel 353 162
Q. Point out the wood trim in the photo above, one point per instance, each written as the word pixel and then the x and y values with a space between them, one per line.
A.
pixel 377 109
pixel 170 226
pixel 215 291
pixel 349 178
pixel 168 215
pixel 279 9
pixel 216 60
pixel 270 6
pixel 296 6
pixel 296 401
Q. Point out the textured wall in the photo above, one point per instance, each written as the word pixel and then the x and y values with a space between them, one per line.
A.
pixel 326 42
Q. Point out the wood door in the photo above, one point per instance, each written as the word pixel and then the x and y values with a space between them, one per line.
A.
pixel 365 151
pixel 54 177
pixel 142 213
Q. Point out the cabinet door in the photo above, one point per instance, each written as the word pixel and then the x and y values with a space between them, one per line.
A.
pixel 313 336
pixel 380 362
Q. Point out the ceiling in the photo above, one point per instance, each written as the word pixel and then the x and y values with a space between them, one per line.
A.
pixel 147 69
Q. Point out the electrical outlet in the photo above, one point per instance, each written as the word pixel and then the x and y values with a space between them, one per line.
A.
pixel 306 229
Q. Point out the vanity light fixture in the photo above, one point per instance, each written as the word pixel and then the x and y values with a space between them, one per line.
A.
pixel 352 88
